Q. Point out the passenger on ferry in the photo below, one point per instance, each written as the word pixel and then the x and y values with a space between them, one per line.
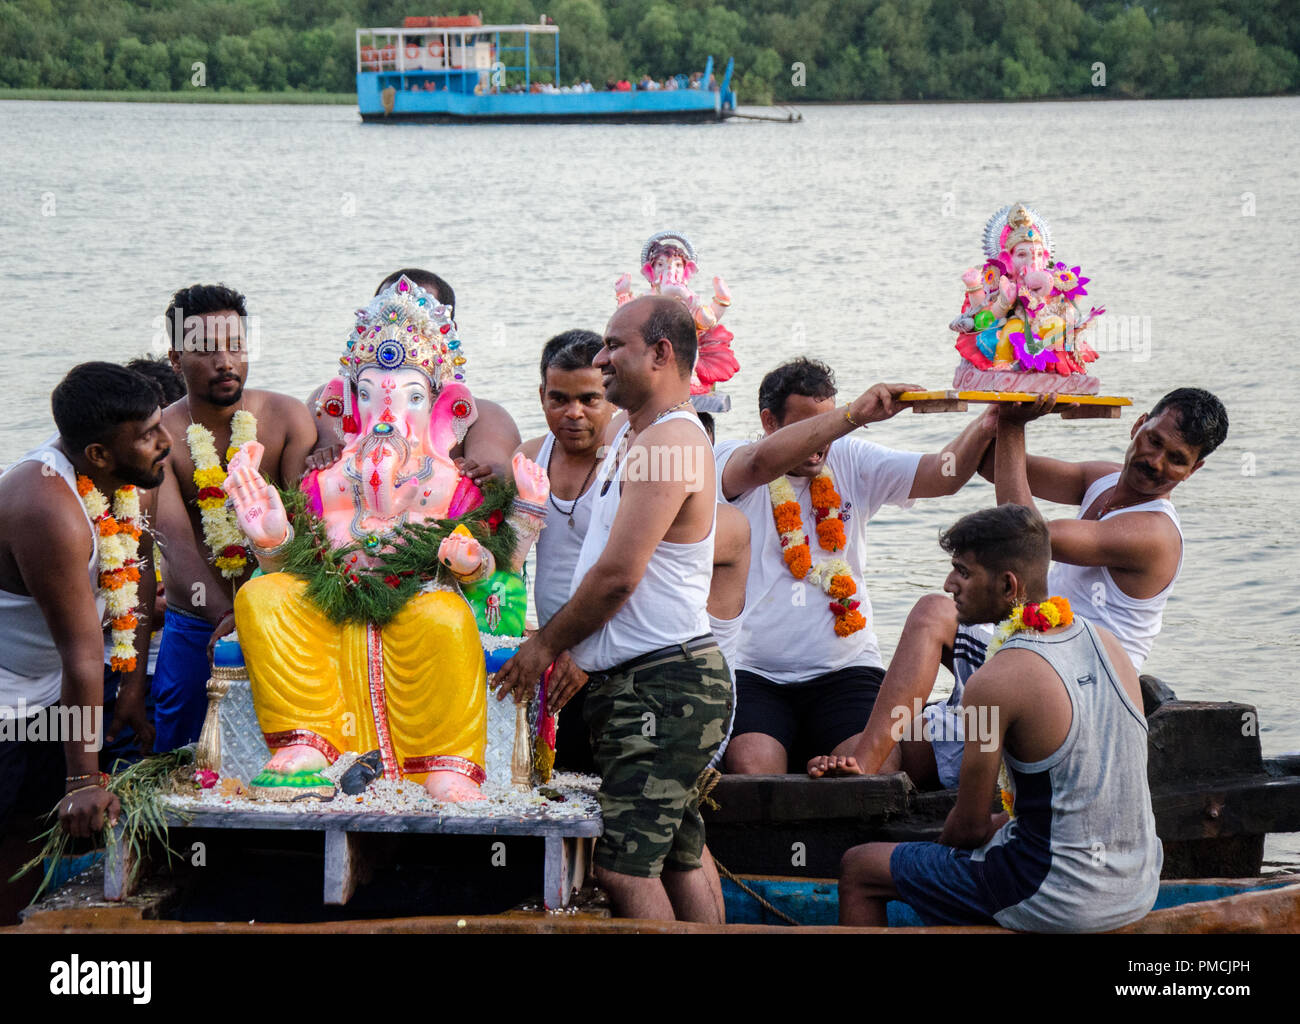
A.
pixel 1117 562
pixel 808 668
pixel 638 622
pixel 1059 702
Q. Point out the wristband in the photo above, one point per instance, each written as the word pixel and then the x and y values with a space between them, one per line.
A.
pixel 848 416
pixel 262 552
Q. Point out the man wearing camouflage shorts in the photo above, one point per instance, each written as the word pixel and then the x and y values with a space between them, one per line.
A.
pixel 657 722
pixel 660 691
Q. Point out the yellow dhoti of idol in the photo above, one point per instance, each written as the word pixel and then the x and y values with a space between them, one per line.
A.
pixel 414 689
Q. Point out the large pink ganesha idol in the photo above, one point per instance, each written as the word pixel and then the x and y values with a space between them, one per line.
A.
pixel 668 262
pixel 1021 327
pixel 364 641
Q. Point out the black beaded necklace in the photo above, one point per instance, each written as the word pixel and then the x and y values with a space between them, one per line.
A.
pixel 581 491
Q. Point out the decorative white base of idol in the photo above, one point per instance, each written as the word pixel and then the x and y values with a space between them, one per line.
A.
pixel 971 378
pixel 243 750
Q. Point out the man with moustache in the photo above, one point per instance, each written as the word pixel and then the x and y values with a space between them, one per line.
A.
pixel 110 432
pixel 206 325
pixel 659 690
pixel 577 414
pixel 1116 562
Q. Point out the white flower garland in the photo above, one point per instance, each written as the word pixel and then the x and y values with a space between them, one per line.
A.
pixel 118 538
pixel 221 532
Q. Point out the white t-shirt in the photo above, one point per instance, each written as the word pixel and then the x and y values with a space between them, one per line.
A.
pixel 788 635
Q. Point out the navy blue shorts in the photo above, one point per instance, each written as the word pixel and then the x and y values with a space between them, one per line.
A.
pixel 808 718
pixel 938 883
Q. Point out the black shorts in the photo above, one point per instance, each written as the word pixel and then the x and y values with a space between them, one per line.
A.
pixel 32 776
pixel 808 718
pixel 572 739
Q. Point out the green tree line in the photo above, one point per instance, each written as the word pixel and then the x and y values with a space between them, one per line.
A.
pixel 785 50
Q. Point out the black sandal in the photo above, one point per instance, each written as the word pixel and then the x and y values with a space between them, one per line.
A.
pixel 362 773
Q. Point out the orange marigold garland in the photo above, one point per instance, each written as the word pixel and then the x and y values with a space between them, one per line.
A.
pixel 1024 618
pixel 119 574
pixel 834 575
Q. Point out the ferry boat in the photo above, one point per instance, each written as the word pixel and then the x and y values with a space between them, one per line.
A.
pixel 455 69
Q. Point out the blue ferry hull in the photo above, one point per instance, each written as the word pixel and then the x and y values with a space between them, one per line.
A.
pixel 446 107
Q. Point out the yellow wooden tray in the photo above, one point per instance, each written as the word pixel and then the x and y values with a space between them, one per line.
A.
pixel 1070 407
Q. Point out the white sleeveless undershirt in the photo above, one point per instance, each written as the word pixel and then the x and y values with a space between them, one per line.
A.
pixel 669 604
pixel 1093 593
pixel 558 546
pixel 31 669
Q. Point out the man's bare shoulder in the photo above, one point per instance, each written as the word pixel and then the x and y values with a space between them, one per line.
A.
pixel 680 431
pixel 492 414
pixel 531 447
pixel 1120 661
pixel 276 402
pixel 37 503
pixel 733 529
pixel 1006 678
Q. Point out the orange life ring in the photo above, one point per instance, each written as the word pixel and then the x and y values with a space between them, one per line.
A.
pixel 412 51
pixel 435 50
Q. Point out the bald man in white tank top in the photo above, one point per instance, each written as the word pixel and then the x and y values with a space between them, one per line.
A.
pixel 659 694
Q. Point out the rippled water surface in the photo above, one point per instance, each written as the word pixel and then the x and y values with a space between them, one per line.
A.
pixel 842 237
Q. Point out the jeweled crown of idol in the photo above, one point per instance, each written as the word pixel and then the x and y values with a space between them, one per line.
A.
pixel 1013 224
pixel 668 241
pixel 404 327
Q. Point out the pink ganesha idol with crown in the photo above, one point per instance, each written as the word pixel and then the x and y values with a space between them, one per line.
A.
pixel 1021 327
pixel 668 262
pixel 362 635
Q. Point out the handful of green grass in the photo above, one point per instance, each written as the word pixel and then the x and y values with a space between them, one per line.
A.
pixel 142 820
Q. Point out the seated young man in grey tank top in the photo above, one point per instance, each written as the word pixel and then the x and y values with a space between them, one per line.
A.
pixel 1116 562
pixel 1059 702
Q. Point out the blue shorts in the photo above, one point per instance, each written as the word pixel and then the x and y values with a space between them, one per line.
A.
pixel 938 883
pixel 180 680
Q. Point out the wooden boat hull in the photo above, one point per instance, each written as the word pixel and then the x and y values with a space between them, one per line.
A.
pixel 1233 906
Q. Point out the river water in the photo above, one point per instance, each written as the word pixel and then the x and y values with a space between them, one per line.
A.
pixel 842 237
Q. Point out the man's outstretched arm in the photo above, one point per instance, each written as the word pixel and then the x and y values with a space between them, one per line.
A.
pixel 758 464
pixel 491 443
pixel 946 471
pixel 1048 479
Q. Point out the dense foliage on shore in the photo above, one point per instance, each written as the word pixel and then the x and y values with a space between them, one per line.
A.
pixel 785 50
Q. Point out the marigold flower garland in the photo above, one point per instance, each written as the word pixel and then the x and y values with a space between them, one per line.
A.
pixel 221 530
pixel 118 536
pixel 833 575
pixel 1039 618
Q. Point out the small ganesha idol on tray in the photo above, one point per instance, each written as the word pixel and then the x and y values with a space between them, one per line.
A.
pixel 1022 328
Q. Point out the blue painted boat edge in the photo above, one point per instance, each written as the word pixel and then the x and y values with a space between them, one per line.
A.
pixel 814 902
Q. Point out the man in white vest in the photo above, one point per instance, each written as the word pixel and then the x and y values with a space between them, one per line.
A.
pixel 1116 562
pixel 659 693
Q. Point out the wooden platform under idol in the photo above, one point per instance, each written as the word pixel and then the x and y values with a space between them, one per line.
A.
pixel 566 858
pixel 1070 407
